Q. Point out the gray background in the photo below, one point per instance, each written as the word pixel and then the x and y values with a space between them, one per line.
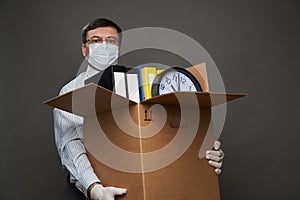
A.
pixel 255 44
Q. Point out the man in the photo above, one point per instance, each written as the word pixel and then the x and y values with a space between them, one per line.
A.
pixel 101 39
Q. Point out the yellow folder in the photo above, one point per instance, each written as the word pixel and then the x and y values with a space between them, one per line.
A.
pixel 148 75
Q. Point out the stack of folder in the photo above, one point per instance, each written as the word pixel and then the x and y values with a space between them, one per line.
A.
pixel 132 83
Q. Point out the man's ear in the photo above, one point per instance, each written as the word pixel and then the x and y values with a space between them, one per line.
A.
pixel 84 50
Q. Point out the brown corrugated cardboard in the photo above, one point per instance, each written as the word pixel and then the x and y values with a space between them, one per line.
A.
pixel 151 148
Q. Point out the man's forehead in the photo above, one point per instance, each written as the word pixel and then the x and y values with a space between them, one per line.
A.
pixel 102 32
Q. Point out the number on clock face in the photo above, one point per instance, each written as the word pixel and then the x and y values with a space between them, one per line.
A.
pixel 175 81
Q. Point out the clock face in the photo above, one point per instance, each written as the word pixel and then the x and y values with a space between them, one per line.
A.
pixel 173 80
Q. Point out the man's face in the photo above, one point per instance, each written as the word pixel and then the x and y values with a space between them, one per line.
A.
pixel 101 33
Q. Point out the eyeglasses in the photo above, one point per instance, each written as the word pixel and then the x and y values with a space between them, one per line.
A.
pixel 96 39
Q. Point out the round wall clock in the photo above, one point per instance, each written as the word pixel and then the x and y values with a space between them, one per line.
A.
pixel 174 79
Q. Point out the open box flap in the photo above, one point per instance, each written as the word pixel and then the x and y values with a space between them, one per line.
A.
pixel 205 99
pixel 91 99
pixel 87 100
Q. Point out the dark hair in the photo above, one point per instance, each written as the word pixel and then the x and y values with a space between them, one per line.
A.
pixel 96 23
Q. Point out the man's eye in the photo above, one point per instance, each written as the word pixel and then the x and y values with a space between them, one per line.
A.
pixel 111 40
pixel 95 40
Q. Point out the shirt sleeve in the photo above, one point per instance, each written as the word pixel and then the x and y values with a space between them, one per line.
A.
pixel 68 129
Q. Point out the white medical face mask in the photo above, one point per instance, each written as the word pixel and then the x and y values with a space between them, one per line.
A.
pixel 102 55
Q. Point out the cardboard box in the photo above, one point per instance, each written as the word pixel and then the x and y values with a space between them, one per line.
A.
pixel 151 148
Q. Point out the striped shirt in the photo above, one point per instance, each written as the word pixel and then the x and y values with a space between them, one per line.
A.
pixel 68 129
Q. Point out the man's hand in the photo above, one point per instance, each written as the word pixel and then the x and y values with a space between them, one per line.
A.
pixel 98 192
pixel 215 157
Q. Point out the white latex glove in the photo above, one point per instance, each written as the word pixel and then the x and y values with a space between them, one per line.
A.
pixel 99 192
pixel 215 157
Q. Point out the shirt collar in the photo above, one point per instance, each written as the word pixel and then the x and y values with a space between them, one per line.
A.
pixel 90 71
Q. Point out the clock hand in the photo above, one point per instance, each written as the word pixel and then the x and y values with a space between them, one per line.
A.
pixel 178 82
pixel 173 88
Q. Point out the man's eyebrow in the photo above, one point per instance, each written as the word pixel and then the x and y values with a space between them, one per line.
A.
pixel 95 36
pixel 115 36
pixel 111 36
